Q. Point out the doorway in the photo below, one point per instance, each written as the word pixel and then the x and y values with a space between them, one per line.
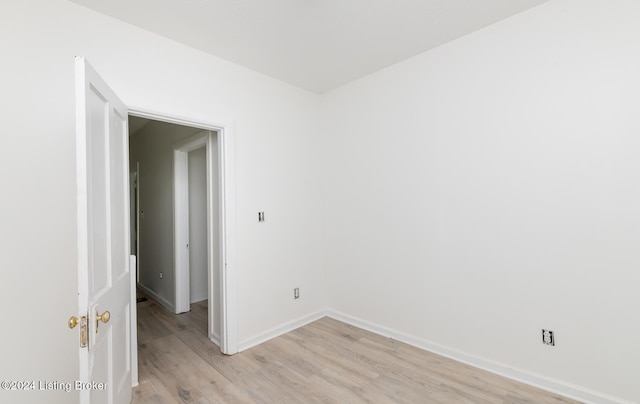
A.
pixel 198 230
pixel 159 180
pixel 106 269
pixel 196 227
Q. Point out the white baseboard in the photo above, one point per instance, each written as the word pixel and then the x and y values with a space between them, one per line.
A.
pixel 552 385
pixel 280 330
pixel 555 386
pixel 168 305
pixel 215 338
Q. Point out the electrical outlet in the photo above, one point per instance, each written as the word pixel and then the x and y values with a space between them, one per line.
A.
pixel 547 338
pixel 296 293
pixel 160 275
pixel 261 216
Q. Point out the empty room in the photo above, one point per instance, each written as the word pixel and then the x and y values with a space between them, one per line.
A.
pixel 427 201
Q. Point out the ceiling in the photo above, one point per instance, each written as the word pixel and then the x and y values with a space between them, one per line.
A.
pixel 135 124
pixel 314 44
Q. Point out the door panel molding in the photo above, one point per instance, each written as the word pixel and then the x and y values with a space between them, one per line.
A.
pixel 103 244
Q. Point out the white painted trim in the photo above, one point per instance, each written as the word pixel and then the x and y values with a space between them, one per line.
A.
pixel 545 383
pixel 214 289
pixel 167 304
pixel 82 207
pixel 211 123
pixel 226 168
pixel 133 323
pixel 280 330
pixel 215 338
pixel 181 214
pixel 181 230
pixel 137 222
pixel 228 270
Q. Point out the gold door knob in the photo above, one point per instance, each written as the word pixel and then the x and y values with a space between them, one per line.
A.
pixel 104 317
pixel 73 322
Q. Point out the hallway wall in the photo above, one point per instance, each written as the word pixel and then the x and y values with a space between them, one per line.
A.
pixel 152 148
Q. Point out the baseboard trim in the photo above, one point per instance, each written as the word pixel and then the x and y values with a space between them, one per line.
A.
pixel 157 298
pixel 555 386
pixel 215 338
pixel 280 330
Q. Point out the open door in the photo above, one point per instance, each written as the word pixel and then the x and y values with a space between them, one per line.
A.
pixel 104 266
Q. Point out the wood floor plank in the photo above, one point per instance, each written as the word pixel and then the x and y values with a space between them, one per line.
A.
pixel 148 328
pixel 326 361
pixel 302 361
pixel 198 316
pixel 333 359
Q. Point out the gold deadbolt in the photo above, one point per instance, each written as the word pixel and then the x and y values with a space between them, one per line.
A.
pixel 73 322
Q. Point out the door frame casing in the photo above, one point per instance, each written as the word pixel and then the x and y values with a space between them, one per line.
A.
pixel 181 223
pixel 226 227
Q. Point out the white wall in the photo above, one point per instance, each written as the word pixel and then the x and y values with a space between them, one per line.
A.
pixel 488 189
pixel 198 274
pixel 274 127
pixel 472 195
pixel 152 148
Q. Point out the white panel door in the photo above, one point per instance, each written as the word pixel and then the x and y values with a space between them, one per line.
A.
pixel 104 277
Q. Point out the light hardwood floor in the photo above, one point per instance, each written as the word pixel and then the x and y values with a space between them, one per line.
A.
pixel 326 361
